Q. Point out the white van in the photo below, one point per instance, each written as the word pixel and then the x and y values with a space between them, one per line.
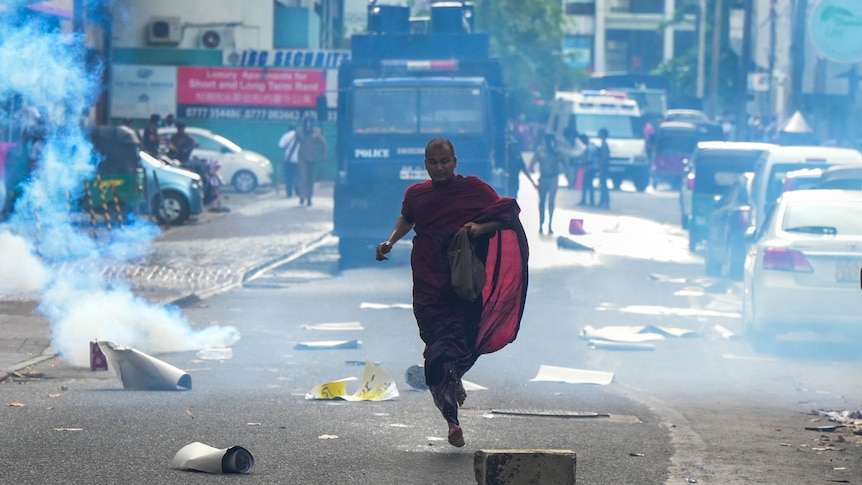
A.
pixel 773 165
pixel 585 112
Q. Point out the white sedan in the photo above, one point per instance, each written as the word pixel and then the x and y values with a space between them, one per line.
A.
pixel 245 170
pixel 802 272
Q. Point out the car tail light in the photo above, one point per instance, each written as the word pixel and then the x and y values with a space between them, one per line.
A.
pixel 743 218
pixel 689 181
pixel 782 259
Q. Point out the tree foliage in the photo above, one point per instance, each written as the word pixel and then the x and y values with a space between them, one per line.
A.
pixel 527 37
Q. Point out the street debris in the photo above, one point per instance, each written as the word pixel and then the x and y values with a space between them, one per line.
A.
pixel 335 326
pixel 16 404
pixel 609 345
pixel 327 437
pixel 568 243
pixel 628 337
pixel 550 413
pixel 576 227
pixel 225 353
pixel 136 369
pixel 724 332
pixel 636 454
pixel 384 306
pixel 328 344
pixel 415 377
pixel 849 420
pixel 68 429
pixel 204 458
pixel 376 385
pixel 549 373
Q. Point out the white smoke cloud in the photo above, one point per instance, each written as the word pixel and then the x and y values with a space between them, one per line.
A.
pixel 45 68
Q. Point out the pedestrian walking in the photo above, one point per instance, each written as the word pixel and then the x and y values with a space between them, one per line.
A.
pixel 603 157
pixel 312 150
pixel 552 162
pixel 456 331
pixel 290 144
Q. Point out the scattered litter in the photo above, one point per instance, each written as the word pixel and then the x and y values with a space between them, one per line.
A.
pixel 566 243
pixel 472 386
pixel 55 394
pixel 551 373
pixel 16 404
pixel 550 413
pixel 376 385
pixel 825 429
pixel 68 429
pixel 622 333
pixel 826 448
pixel 329 344
pixel 215 354
pixel 666 278
pixel 690 480
pixel 608 345
pixel 488 415
pixel 383 306
pixel 327 437
pixel 335 326
pixel 138 370
pixel 205 458
pixel 636 454
pixel 399 425
pixel 252 424
pixel 576 227
pixel 724 332
pixel 415 377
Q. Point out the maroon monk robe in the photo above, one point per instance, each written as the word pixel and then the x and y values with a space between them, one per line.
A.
pixel 456 332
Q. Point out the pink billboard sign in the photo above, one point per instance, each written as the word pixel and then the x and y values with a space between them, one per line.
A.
pixel 227 86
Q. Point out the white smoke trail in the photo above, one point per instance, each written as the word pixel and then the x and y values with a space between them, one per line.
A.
pixel 44 68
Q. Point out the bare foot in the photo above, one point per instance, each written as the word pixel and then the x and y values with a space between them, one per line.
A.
pixel 456 435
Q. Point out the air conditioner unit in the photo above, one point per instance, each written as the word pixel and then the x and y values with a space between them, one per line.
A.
pixel 222 38
pixel 164 30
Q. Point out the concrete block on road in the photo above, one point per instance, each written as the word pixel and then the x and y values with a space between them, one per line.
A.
pixel 525 467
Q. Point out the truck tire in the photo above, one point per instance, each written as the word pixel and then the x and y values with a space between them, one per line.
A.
pixel 641 180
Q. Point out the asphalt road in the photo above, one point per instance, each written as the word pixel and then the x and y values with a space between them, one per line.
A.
pixel 700 408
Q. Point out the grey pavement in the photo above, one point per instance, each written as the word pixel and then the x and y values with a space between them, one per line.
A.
pixel 213 252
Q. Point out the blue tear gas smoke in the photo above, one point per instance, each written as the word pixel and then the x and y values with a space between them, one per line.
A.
pixel 45 70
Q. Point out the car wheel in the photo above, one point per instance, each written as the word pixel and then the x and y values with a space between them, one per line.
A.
pixel 759 337
pixel 244 181
pixel 171 208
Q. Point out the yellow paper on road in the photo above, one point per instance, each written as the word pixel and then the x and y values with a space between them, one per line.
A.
pixel 376 385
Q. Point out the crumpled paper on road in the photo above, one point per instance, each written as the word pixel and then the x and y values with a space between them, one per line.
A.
pixel 376 385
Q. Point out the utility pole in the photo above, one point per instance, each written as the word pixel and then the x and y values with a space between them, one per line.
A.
pixel 742 82
pixel 797 53
pixel 772 21
pixel 716 58
pixel 701 47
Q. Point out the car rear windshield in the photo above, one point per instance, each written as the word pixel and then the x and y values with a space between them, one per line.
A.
pixel 779 172
pixel 841 218
pixel 716 170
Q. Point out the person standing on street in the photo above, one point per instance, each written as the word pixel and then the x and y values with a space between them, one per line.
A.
pixel 456 331
pixel 150 136
pixel 290 144
pixel 603 158
pixel 181 145
pixel 590 163
pixel 312 149
pixel 551 162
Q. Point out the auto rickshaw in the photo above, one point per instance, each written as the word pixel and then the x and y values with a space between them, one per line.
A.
pixel 675 142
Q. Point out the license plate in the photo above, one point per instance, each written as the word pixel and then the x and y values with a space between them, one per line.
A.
pixel 847 269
